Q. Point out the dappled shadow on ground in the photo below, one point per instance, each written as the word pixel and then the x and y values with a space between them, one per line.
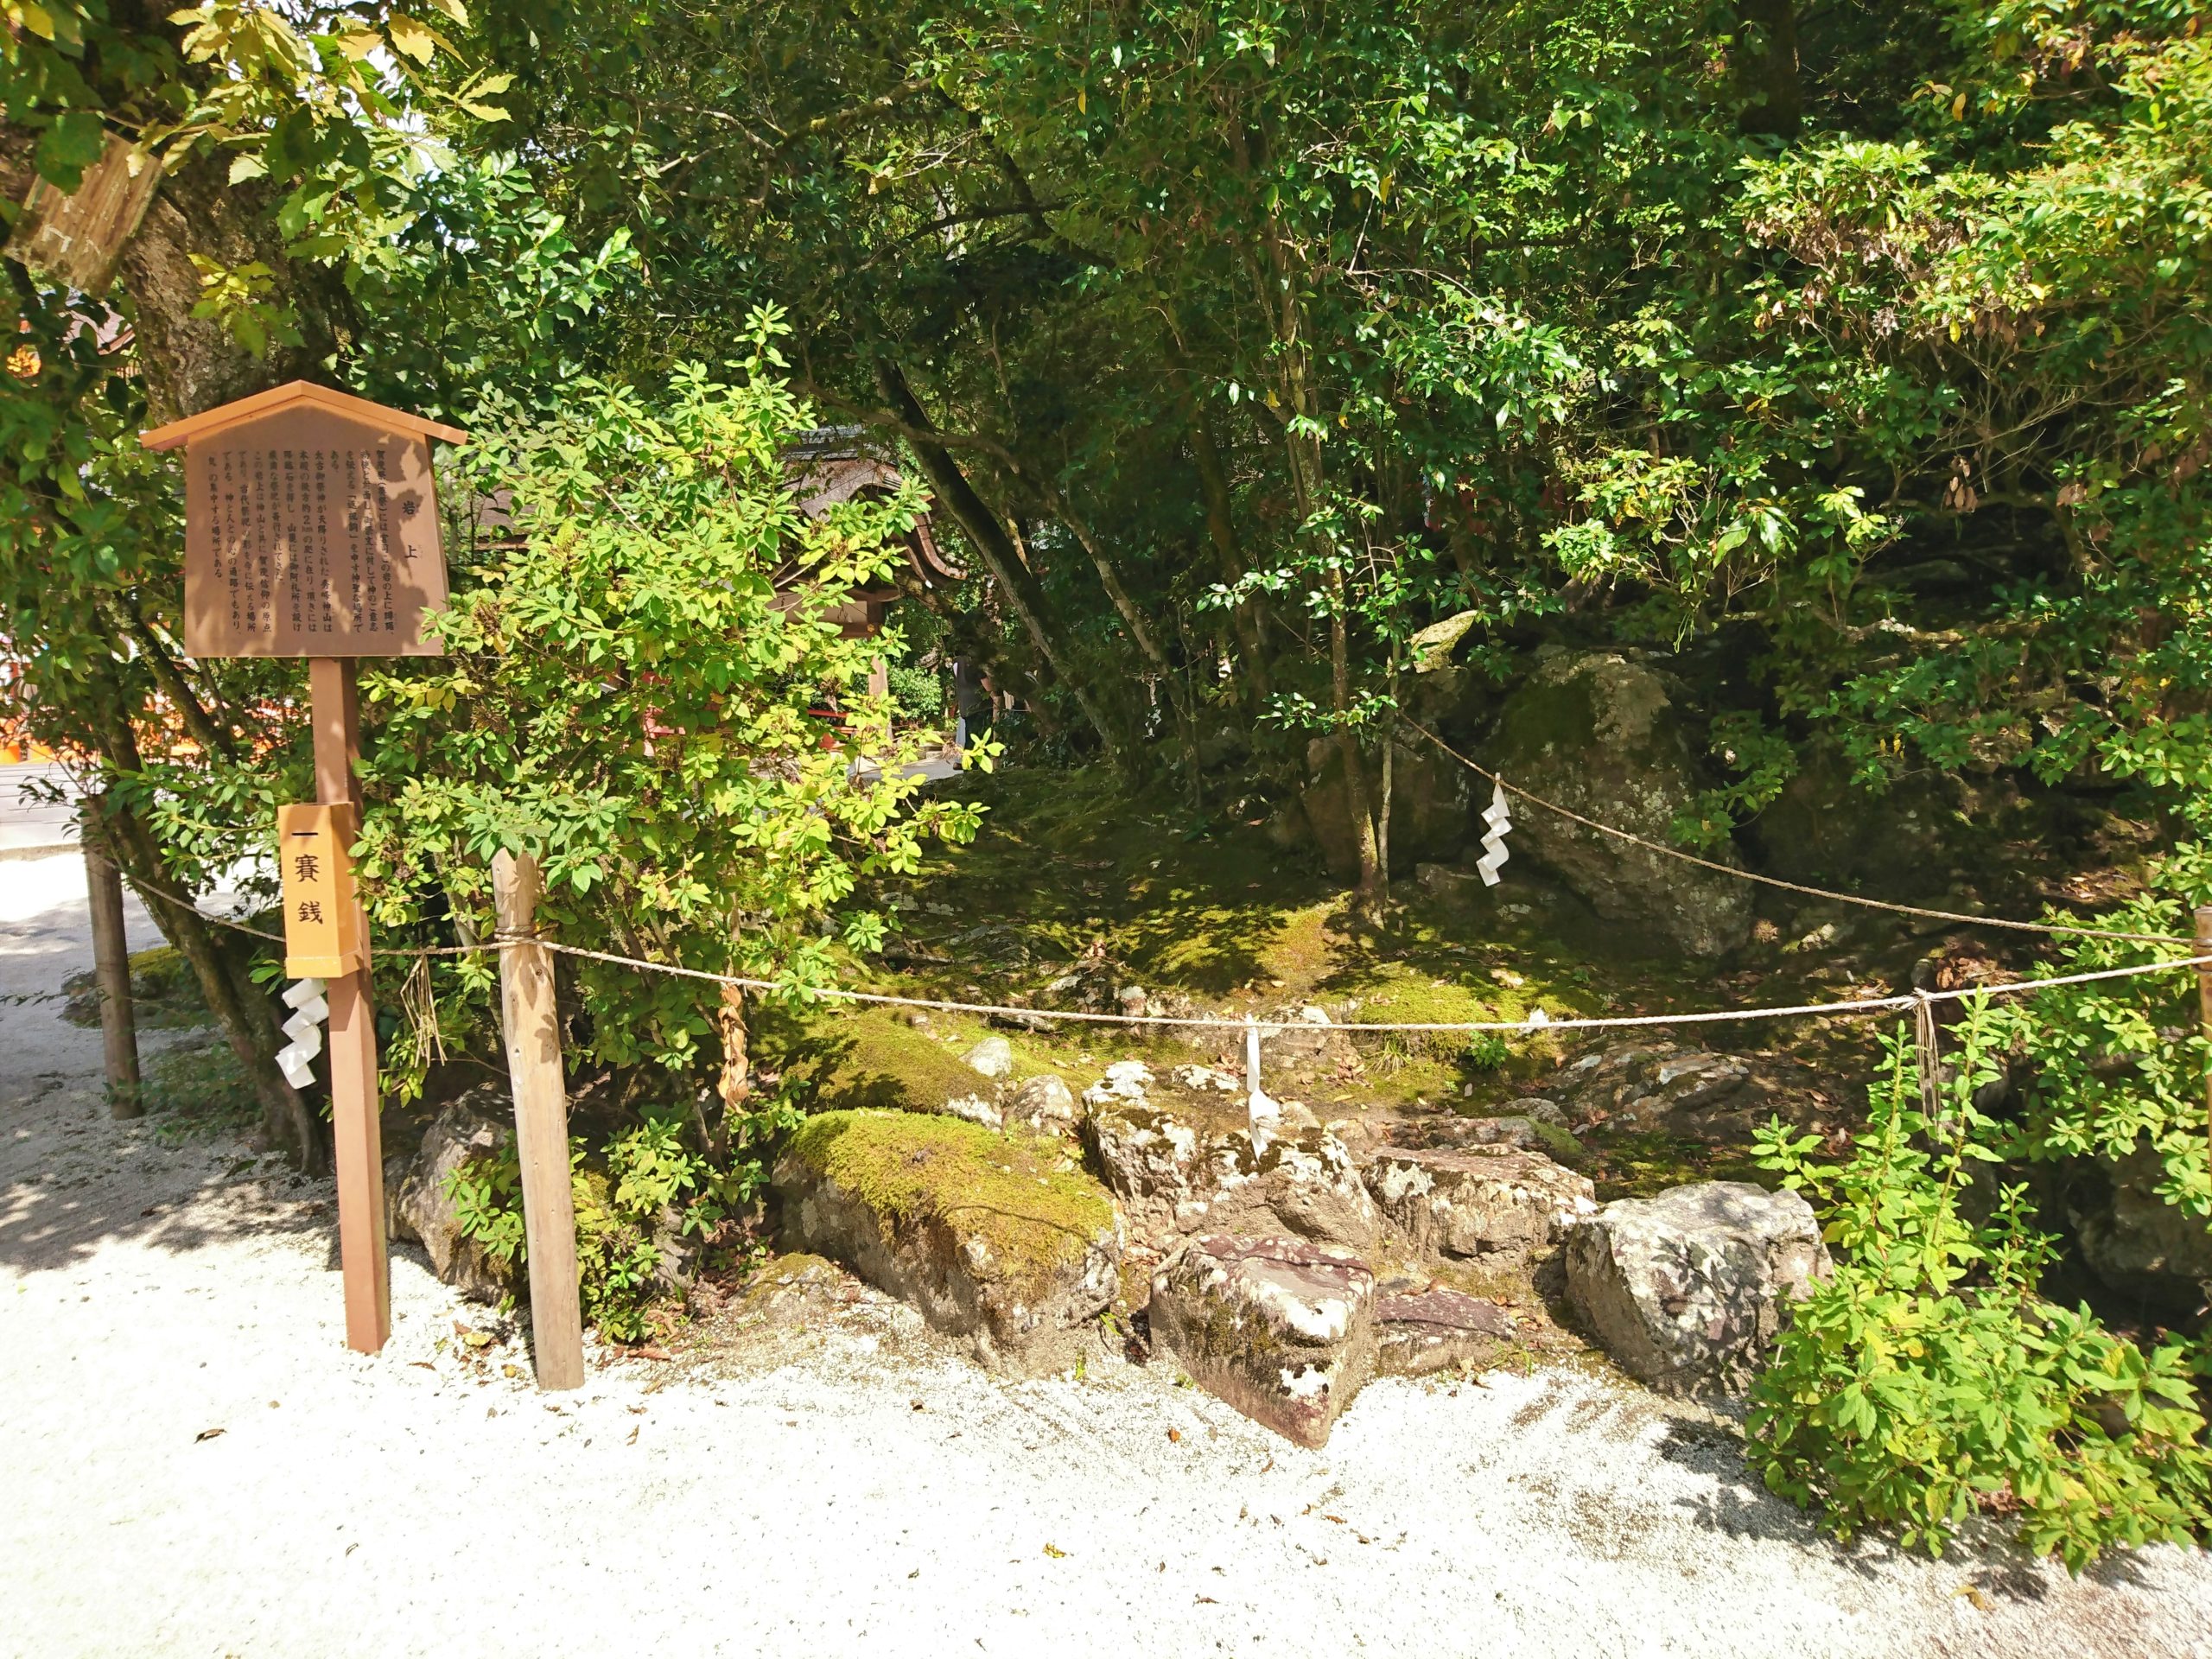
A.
pixel 72 1179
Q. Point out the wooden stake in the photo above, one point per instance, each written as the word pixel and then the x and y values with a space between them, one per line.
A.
pixel 356 1133
pixel 549 1214
pixel 112 968
pixel 2204 1003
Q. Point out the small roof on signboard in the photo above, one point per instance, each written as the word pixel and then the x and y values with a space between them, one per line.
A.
pixel 296 391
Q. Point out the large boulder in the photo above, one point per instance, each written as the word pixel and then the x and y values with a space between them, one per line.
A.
pixel 996 1238
pixel 1826 830
pixel 1600 734
pixel 1280 1328
pixel 1302 1182
pixel 2133 1239
pixel 1493 1200
pixel 1190 1164
pixel 1428 805
pixel 1689 1289
pixel 476 1127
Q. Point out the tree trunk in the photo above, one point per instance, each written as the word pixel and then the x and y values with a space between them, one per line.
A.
pixel 243 1014
pixel 1766 68
pixel 953 493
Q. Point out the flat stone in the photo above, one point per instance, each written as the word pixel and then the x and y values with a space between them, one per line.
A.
pixel 1688 1290
pixel 1279 1328
pixel 1437 1330
pixel 1478 1201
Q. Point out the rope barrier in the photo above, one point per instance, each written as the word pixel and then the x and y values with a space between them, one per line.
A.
pixel 1664 850
pixel 1535 1020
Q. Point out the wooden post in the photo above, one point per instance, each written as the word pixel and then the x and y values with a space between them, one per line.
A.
pixel 548 1215
pixel 112 968
pixel 356 1136
pixel 2205 1002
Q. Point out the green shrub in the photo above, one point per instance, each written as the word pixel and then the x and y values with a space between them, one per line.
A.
pixel 1927 1381
pixel 646 1183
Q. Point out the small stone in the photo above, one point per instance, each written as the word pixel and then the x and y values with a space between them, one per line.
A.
pixel 993 1058
pixel 1281 1329
pixel 1043 1103
pixel 974 1109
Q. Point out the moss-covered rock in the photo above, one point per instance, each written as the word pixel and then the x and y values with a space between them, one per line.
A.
pixel 998 1239
pixel 1599 733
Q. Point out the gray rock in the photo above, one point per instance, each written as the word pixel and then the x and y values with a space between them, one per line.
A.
pixel 1044 1103
pixel 1688 1290
pixel 1538 1110
pixel 1437 1330
pixel 1600 733
pixel 993 1058
pixel 1149 1157
pixel 2133 1239
pixel 1657 1085
pixel 1125 1081
pixel 1522 1133
pixel 478 1125
pixel 972 1109
pixel 1301 1182
pixel 1281 1328
pixel 1478 1201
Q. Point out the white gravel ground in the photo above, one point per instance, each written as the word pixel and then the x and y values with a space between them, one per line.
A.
pixel 795 1500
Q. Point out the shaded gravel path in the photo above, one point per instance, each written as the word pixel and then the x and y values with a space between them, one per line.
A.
pixel 787 1497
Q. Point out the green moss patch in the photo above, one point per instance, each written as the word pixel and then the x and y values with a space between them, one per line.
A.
pixel 1017 1193
pixel 871 1059
pixel 164 993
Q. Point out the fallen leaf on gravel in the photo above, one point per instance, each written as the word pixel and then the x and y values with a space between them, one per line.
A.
pixel 632 1441
pixel 648 1352
pixel 205 1434
pixel 510 1370
pixel 1208 1601
pixel 1056 1553
pixel 1174 1433
pixel 424 1364
pixel 477 1338
pixel 1338 1519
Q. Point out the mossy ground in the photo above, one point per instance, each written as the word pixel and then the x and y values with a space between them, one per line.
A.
pixel 164 995
pixel 1072 870
pixel 1022 1193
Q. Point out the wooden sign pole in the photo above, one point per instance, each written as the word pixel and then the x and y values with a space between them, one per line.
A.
pixel 311 529
pixel 364 1250
pixel 548 1215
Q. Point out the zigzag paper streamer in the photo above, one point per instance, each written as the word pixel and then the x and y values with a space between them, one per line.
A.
pixel 1500 820
pixel 304 997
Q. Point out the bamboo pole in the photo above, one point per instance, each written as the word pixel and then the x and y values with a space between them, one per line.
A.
pixel 533 1031
pixel 111 969
pixel 2204 1006
pixel 365 1252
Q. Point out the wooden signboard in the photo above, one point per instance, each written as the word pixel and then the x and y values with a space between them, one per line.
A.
pixel 311 526
pixel 311 529
pixel 322 936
